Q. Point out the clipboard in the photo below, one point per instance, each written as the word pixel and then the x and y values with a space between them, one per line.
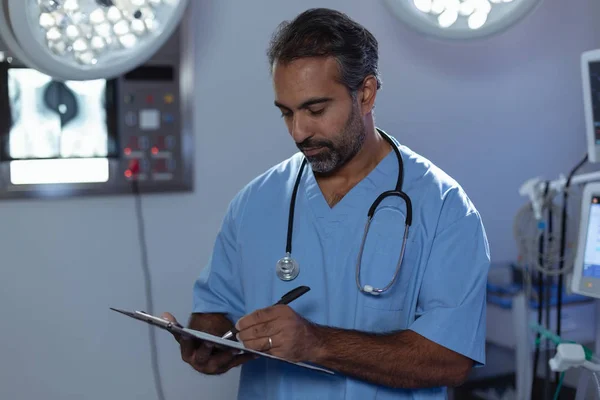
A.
pixel 193 334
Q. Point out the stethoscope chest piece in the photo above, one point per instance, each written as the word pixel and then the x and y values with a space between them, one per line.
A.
pixel 287 268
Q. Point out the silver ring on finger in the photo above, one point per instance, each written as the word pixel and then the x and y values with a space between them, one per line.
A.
pixel 270 343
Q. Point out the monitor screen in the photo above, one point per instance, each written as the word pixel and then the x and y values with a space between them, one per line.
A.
pixel 44 118
pixel 594 68
pixel 591 253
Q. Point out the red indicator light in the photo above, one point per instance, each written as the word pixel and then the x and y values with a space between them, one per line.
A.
pixel 128 174
pixel 155 150
pixel 127 151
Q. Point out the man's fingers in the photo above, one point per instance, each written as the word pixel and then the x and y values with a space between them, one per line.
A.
pixel 221 362
pixel 203 353
pixel 260 344
pixel 187 350
pixel 218 360
pixel 258 331
pixel 257 317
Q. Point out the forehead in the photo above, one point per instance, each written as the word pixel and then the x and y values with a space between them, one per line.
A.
pixel 306 77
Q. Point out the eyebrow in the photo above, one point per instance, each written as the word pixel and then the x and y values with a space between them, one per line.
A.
pixel 307 103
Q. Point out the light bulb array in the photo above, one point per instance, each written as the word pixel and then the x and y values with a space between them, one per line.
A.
pixel 85 30
pixel 448 12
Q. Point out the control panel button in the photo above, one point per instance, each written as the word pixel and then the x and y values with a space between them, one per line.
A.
pixel 130 118
pixel 145 165
pixel 144 143
pixel 136 146
pixel 169 99
pixel 149 119
pixel 129 99
pixel 163 169
pixel 159 166
pixel 133 143
pixel 131 146
pixel 162 146
pixel 168 118
pixel 170 142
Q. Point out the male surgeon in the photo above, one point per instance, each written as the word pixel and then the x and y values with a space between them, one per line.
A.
pixel 412 341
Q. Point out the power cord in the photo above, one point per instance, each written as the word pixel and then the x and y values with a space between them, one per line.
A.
pixel 563 239
pixel 148 282
pixel 540 303
pixel 548 307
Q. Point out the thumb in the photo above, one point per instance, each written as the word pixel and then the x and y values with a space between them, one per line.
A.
pixel 169 317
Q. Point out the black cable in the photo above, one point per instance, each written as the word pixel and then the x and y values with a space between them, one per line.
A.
pixel 148 288
pixel 540 303
pixel 563 240
pixel 548 307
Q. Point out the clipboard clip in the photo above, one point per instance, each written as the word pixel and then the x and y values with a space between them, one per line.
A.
pixel 151 319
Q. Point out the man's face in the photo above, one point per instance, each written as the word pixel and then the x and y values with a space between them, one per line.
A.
pixel 322 117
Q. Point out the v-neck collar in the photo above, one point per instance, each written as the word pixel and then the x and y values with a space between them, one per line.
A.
pixel 357 196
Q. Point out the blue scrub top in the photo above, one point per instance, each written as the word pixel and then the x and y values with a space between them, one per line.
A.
pixel 440 292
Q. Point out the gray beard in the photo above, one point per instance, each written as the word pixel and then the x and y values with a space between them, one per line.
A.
pixel 351 142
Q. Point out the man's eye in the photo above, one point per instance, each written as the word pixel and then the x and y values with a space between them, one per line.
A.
pixel 317 112
pixel 286 114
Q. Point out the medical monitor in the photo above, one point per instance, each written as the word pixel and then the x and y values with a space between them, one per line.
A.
pixel 586 270
pixel 590 74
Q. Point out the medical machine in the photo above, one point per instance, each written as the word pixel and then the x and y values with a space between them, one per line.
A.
pixel 590 74
pixel 551 262
pixel 67 138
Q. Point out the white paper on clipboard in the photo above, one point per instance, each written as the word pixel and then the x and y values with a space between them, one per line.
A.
pixel 164 324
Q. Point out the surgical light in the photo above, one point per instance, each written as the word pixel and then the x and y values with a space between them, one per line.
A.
pixel 461 19
pixel 87 39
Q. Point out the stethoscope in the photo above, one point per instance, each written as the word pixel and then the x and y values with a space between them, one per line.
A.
pixel 288 269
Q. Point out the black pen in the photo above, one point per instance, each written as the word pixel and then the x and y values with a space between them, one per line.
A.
pixel 286 299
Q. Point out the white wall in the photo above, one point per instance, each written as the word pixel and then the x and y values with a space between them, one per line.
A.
pixel 492 114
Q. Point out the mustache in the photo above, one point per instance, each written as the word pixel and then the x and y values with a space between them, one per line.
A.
pixel 311 144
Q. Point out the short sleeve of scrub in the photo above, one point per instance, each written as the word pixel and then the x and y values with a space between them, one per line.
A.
pixel 452 301
pixel 218 289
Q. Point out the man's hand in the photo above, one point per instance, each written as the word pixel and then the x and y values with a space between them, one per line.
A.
pixel 205 357
pixel 291 336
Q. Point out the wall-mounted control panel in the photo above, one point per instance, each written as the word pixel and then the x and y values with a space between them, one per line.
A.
pixel 95 137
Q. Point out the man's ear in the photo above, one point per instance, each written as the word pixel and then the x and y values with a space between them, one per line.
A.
pixel 367 94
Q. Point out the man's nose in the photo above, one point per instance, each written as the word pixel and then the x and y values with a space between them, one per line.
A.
pixel 300 129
